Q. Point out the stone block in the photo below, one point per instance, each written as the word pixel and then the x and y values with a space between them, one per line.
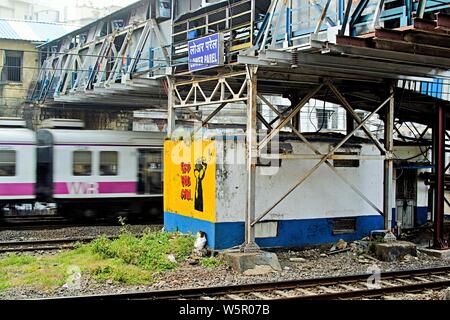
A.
pixel 393 251
pixel 251 263
pixel 441 254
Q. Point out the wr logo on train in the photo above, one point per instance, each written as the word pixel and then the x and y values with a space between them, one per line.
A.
pixel 83 187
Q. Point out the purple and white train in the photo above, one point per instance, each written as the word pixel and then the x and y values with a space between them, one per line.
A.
pixel 85 172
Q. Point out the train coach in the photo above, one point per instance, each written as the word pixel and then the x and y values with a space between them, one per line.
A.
pixel 17 162
pixel 87 173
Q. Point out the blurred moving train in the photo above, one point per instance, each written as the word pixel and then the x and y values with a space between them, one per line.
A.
pixel 86 173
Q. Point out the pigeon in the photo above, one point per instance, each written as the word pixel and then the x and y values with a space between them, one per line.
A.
pixel 200 242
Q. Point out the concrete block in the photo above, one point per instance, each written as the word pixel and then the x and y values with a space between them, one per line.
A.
pixel 441 254
pixel 393 251
pixel 245 261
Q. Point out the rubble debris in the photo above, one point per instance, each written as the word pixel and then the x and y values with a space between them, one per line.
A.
pixel 171 258
pixel 259 270
pixel 297 259
pixel 340 245
pixel 447 294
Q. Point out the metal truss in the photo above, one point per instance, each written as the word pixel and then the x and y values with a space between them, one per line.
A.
pixel 221 90
pixel 281 30
pixel 100 62
pixel 385 151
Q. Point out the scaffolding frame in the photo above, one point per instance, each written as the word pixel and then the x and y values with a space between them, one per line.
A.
pixel 349 72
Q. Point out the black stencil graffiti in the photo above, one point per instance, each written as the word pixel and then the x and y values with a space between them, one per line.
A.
pixel 199 172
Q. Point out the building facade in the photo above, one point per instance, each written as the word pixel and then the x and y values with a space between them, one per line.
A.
pixel 20 59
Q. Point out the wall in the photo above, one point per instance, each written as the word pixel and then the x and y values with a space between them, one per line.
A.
pixel 321 195
pixel 13 95
pixel 306 217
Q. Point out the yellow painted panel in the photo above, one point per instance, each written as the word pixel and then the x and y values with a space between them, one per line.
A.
pixel 241 46
pixel 190 179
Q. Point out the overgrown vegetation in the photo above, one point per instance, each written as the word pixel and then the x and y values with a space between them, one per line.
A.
pixel 127 259
pixel 211 262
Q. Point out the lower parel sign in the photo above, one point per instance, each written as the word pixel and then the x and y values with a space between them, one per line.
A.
pixel 190 178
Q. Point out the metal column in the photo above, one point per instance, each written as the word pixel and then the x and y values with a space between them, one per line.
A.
pixel 350 122
pixel 439 171
pixel 170 106
pixel 389 161
pixel 252 153
pixel 296 120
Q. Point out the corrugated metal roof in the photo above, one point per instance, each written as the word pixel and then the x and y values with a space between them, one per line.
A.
pixel 33 30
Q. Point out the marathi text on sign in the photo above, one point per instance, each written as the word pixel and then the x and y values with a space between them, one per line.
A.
pixel 205 52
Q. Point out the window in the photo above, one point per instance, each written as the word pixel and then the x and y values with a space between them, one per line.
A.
pixel 108 163
pixel 82 163
pixel 12 66
pixel 7 163
pixel 346 163
pixel 324 117
pixel 344 225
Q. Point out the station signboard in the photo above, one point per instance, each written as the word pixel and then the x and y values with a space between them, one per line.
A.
pixel 206 52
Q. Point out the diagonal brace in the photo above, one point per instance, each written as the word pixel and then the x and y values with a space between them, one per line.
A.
pixel 327 162
pixel 325 158
pixel 283 122
pixel 349 108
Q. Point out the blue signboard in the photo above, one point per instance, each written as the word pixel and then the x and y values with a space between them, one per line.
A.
pixel 206 52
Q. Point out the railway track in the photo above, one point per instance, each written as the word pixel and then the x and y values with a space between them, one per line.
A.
pixel 342 287
pixel 42 245
pixel 55 222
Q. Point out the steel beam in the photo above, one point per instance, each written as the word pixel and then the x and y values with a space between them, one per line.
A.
pixel 252 157
pixel 170 106
pixel 286 120
pixel 322 16
pixel 346 17
pixel 318 155
pixel 377 14
pixel 439 166
pixel 324 159
pixel 355 116
pixel 421 8
pixel 389 161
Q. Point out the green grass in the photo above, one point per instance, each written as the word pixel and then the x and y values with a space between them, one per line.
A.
pixel 128 260
pixel 211 262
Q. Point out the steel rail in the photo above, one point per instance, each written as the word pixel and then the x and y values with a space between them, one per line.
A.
pixel 270 287
pixel 39 245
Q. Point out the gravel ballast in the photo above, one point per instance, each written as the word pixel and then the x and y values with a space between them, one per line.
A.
pixel 298 264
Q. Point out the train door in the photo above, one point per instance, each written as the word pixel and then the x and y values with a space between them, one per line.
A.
pixel 406 190
pixel 150 174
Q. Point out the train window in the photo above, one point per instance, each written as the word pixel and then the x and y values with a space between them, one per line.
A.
pixel 7 163
pixel 108 163
pixel 82 163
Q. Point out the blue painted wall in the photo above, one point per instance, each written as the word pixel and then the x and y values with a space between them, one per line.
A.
pixel 420 216
pixel 291 233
